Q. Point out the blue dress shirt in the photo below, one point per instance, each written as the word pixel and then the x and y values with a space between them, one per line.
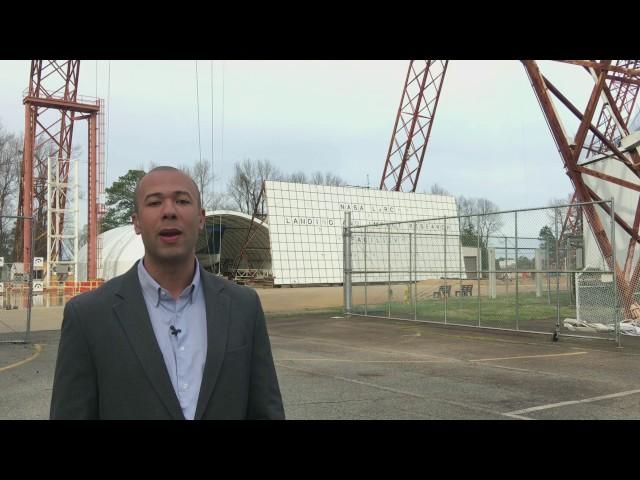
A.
pixel 180 327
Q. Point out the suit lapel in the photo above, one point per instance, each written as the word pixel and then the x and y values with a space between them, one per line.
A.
pixel 217 313
pixel 132 313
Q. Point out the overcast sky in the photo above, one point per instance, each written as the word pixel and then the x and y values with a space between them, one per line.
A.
pixel 489 138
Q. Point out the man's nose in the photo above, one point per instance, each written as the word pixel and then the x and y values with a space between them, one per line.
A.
pixel 168 209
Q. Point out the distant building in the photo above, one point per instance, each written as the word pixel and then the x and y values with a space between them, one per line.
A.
pixel 301 240
pixel 507 264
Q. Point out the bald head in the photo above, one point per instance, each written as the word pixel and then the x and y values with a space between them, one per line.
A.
pixel 160 169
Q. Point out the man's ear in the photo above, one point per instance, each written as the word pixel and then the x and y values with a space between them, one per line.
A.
pixel 134 220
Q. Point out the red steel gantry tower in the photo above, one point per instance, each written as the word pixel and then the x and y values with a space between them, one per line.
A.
pixel 51 108
pixel 615 84
pixel 625 95
pixel 413 124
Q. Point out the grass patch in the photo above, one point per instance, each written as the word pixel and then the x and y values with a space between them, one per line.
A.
pixel 333 311
pixel 500 310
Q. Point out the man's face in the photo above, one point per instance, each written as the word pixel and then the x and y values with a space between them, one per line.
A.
pixel 168 217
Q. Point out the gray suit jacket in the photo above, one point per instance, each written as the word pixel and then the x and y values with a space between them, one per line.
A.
pixel 109 364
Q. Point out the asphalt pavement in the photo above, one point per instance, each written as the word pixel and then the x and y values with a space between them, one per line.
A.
pixel 336 368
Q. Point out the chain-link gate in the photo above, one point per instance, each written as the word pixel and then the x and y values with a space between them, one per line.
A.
pixel 16 285
pixel 521 270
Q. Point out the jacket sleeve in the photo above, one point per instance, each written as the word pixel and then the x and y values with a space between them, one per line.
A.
pixel 265 401
pixel 75 391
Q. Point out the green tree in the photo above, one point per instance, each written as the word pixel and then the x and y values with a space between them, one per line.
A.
pixel 469 238
pixel 120 196
pixel 525 263
pixel 548 244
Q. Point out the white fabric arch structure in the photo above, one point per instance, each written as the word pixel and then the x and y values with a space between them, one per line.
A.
pixel 122 247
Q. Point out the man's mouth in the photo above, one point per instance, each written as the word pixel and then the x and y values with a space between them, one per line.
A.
pixel 170 235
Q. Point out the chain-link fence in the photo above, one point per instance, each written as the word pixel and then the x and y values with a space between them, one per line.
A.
pixel 16 287
pixel 520 270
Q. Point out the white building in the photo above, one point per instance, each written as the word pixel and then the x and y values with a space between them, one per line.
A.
pixel 301 241
pixel 306 233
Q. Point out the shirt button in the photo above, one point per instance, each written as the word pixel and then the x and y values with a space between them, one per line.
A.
pixel 182 349
pixel 185 386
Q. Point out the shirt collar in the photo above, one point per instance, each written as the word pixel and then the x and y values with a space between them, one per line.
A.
pixel 153 290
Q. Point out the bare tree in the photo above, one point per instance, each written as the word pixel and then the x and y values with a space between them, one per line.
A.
pixel 488 222
pixel 151 166
pixel 297 177
pixel 328 178
pixel 466 206
pixel 205 179
pixel 334 180
pixel 266 171
pixel 242 185
pixel 317 178
pixel 436 189
pixel 557 215
pixel 203 176
pixel 249 175
pixel 484 224
pixel 220 201
pixel 245 185
pixel 10 156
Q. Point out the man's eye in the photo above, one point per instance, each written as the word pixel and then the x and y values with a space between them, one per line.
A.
pixel 153 203
pixel 183 201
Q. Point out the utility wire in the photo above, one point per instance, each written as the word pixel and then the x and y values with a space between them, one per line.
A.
pixel 221 163
pixel 206 233
pixel 213 178
pixel 106 150
pixel 198 109
pixel 222 139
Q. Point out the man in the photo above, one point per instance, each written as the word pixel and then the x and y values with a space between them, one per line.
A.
pixel 166 340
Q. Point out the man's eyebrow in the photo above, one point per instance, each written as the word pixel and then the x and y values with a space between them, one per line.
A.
pixel 182 192
pixel 159 194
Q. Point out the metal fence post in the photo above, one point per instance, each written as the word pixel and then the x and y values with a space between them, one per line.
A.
pixel 616 298
pixel 49 202
pixel 445 270
pixel 389 270
pixel 346 235
pixel 546 246
pixel 462 271
pixel 479 269
pixel 538 274
pixel 506 265
pixel 515 214
pixel 491 254
pixel 365 270
pixel 555 221
pixel 410 285
pixel 415 270
pixel 30 303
